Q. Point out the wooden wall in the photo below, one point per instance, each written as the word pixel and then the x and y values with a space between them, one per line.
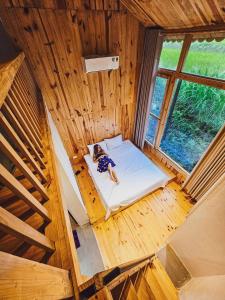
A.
pixel 85 107
pixel 70 4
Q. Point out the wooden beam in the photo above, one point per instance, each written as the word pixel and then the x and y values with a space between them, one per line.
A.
pixel 16 187
pixel 196 29
pixel 7 73
pixel 27 279
pixel 17 160
pixel 217 83
pixel 11 132
pixel 21 230
pixel 164 110
pixel 184 52
pixel 220 84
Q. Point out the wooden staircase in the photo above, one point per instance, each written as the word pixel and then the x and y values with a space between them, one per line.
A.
pixel 140 280
pixel 36 244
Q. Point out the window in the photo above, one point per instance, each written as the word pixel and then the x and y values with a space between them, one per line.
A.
pixel 170 54
pixel 206 59
pixel 156 104
pixel 197 113
pixel 152 127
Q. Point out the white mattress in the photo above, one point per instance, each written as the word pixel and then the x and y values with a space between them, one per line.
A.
pixel 137 176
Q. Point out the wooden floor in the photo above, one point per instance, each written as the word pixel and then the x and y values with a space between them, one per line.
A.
pixel 138 230
pixel 143 228
pixel 93 204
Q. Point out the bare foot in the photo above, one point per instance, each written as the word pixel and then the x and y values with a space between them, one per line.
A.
pixel 115 179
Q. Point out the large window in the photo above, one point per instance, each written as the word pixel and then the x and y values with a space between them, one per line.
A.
pixel 195 105
pixel 197 113
pixel 156 104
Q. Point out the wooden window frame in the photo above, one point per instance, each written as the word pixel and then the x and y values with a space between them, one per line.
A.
pixel 160 114
pixel 173 76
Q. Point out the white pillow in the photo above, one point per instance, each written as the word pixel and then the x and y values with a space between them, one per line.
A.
pixel 91 147
pixel 114 142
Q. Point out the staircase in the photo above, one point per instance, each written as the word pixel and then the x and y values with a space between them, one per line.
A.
pixel 145 279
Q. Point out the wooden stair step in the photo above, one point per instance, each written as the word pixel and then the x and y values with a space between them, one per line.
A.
pixel 144 291
pixel 164 280
pixel 154 284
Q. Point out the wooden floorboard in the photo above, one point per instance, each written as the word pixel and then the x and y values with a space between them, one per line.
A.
pixel 139 230
pixel 92 201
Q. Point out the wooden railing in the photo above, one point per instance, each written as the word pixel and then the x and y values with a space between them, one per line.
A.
pixel 37 253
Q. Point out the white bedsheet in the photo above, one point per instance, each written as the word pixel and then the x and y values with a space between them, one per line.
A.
pixel 137 175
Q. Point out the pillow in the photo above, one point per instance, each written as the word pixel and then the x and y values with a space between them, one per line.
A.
pixel 114 142
pixel 91 147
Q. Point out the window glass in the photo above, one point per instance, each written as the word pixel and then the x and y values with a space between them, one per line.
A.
pixel 206 59
pixel 196 114
pixel 158 95
pixel 152 127
pixel 170 54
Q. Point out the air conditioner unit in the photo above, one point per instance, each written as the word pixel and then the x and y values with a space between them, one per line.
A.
pixel 95 64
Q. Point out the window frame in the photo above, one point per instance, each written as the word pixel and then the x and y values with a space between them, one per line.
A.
pixel 160 114
pixel 172 76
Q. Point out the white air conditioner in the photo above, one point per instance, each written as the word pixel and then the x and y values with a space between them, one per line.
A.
pixel 95 64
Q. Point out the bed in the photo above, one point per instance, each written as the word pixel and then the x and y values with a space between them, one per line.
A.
pixel 137 174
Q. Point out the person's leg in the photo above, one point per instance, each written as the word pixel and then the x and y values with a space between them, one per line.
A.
pixel 115 176
pixel 112 174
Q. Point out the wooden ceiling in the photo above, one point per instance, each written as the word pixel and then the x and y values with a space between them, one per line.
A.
pixel 170 14
pixel 167 14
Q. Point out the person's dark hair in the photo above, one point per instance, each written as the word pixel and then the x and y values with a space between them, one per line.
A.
pixel 98 151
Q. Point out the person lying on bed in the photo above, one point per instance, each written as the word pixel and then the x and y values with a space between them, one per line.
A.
pixel 105 163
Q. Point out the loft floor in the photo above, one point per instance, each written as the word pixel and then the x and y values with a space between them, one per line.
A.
pixel 139 230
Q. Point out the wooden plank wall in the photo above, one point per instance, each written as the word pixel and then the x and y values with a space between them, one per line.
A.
pixel 85 107
pixel 70 4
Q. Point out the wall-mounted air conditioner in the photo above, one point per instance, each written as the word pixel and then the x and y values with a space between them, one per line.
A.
pixel 95 64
